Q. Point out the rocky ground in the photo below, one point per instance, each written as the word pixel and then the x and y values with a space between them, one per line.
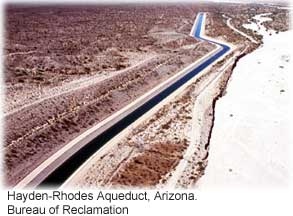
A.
pixel 47 47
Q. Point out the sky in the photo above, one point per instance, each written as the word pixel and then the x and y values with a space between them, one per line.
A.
pixel 258 1
pixel 109 1
pixel 138 1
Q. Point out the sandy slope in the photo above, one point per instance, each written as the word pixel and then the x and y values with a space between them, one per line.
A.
pixel 250 141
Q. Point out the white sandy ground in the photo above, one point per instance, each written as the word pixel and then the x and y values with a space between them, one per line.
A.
pixel 250 142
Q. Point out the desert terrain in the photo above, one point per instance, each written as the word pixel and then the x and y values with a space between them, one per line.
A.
pixel 69 68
